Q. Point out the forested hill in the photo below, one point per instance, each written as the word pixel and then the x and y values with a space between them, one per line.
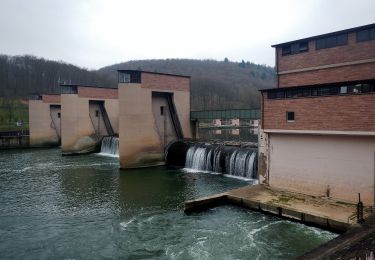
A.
pixel 214 84
pixel 23 75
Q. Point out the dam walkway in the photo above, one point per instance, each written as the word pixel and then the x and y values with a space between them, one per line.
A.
pixel 323 212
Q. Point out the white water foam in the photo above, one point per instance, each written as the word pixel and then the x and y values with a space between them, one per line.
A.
pixel 110 146
pixel 239 163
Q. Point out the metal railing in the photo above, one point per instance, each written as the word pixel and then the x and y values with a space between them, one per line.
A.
pixel 225 114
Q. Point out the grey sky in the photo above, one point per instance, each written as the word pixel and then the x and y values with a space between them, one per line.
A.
pixel 96 33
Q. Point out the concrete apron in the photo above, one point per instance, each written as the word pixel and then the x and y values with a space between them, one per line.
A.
pixel 321 212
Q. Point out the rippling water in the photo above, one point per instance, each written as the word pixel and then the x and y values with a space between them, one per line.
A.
pixel 83 207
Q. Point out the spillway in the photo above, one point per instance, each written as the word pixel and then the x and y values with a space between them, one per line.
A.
pixel 232 161
pixel 110 146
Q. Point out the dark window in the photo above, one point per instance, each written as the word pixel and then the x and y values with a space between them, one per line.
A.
pixel 290 116
pixel 303 46
pixel 342 39
pixel 286 50
pixel 323 91
pixel 334 90
pixel 320 44
pixel 69 89
pixel 332 41
pixel 372 34
pixel 58 115
pixel 366 35
pixel 276 94
pixel 314 91
pixel 293 93
pixel 366 88
pixel 97 113
pixel 129 76
pixel 161 110
pixel 305 92
pixel 354 89
pixel 295 48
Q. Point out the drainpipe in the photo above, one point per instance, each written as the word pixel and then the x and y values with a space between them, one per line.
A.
pixel 277 67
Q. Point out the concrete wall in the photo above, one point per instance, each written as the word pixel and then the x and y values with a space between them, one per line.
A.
pixel 351 62
pixel 333 113
pixel 44 132
pixel 141 125
pixel 78 133
pixel 314 164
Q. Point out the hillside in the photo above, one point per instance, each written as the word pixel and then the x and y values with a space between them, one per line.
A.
pixel 214 84
pixel 23 75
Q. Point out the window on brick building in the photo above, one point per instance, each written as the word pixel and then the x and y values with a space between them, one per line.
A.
pixel 331 41
pixel 366 35
pixel 355 89
pixel 295 48
pixel 290 116
pixel 343 89
pixel 327 90
pixel 276 94
pixel 286 50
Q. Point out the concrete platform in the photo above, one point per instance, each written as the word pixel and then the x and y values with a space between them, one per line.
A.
pixel 322 212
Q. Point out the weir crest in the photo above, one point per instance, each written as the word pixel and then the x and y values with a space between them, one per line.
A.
pixel 231 161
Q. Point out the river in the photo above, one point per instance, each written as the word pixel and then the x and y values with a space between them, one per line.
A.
pixel 84 207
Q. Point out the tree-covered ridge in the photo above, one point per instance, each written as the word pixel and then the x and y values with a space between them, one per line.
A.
pixel 23 75
pixel 214 84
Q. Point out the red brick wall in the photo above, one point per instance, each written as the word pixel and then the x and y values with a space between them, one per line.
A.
pixel 354 51
pixel 51 99
pixel 103 93
pixel 336 113
pixel 165 82
pixel 341 74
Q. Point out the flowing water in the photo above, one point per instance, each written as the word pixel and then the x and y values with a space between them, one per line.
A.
pixel 109 146
pixel 84 207
pixel 231 161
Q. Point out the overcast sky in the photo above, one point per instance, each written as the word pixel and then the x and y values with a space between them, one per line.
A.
pixel 96 33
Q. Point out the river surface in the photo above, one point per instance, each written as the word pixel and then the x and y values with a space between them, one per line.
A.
pixel 84 207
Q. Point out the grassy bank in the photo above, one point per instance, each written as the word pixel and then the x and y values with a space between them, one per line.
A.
pixel 13 111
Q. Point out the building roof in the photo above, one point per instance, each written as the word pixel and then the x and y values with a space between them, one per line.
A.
pixel 85 86
pixel 364 27
pixel 157 73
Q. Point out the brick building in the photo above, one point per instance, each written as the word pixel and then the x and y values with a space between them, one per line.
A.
pixel 318 125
